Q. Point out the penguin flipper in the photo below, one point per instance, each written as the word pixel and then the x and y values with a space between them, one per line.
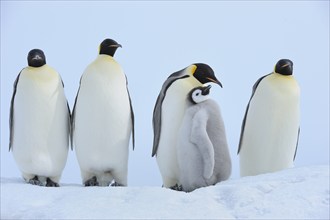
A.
pixel 69 118
pixel 295 152
pixel 254 88
pixel 200 138
pixel 157 113
pixel 156 122
pixel 132 114
pixel 73 114
pixel 11 116
pixel 69 125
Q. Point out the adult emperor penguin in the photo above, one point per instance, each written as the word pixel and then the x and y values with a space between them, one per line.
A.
pixel 270 128
pixel 168 114
pixel 203 153
pixel 39 122
pixel 103 120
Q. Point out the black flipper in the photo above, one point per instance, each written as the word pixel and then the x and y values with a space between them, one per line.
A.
pixel 254 88
pixel 295 152
pixel 157 113
pixel 69 120
pixel 132 114
pixel 11 116
pixel 73 115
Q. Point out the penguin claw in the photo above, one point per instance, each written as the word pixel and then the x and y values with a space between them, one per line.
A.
pixel 91 182
pixel 50 183
pixel 116 184
pixel 177 187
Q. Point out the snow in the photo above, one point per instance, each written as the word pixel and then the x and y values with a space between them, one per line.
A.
pixel 297 193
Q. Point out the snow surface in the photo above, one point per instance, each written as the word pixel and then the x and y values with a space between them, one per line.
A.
pixel 297 193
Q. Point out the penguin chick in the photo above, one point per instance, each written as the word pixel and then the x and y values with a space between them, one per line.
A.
pixel 270 128
pixel 39 122
pixel 103 120
pixel 203 153
pixel 168 114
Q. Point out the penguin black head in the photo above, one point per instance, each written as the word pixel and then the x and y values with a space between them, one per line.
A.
pixel 109 47
pixel 284 67
pixel 199 94
pixel 36 58
pixel 204 74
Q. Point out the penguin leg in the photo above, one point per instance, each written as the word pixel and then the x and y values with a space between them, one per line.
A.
pixel 89 179
pixel 169 182
pixel 91 182
pixel 50 183
pixel 177 187
pixel 116 184
pixel 120 178
pixel 28 177
pixel 35 181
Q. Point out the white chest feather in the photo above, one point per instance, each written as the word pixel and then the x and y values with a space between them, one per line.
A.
pixel 271 128
pixel 41 122
pixel 102 115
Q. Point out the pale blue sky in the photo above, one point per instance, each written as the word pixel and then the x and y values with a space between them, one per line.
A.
pixel 240 40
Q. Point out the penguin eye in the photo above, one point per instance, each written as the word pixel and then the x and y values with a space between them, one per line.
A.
pixel 197 94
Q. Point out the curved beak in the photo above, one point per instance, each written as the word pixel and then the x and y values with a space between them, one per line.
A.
pixel 214 80
pixel 117 45
pixel 206 90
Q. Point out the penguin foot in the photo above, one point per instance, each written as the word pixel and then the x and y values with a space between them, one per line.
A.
pixel 116 184
pixel 35 181
pixel 50 183
pixel 176 187
pixel 92 182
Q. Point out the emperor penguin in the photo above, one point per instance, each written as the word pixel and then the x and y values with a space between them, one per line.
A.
pixel 203 154
pixel 103 120
pixel 39 122
pixel 168 114
pixel 270 128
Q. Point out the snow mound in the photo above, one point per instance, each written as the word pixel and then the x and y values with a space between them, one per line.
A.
pixel 297 193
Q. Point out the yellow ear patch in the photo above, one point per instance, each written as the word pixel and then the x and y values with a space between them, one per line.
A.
pixel 191 69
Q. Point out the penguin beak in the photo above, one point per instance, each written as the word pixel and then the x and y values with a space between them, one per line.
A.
pixel 215 80
pixel 117 45
pixel 206 90
pixel 37 57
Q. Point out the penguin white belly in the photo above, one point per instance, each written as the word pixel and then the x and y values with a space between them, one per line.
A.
pixel 41 123
pixel 173 108
pixel 102 120
pixel 271 128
